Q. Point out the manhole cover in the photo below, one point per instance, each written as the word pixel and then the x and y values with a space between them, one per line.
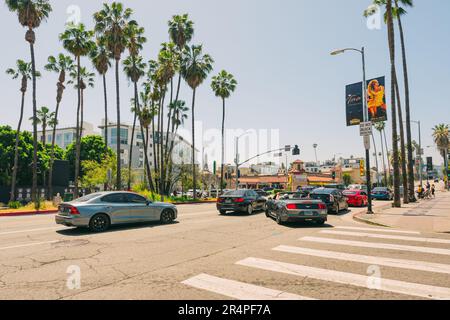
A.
pixel 70 243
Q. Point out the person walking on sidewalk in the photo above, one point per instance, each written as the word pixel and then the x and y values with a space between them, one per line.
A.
pixel 433 191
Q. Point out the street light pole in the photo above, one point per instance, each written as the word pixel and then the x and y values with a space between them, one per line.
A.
pixel 366 119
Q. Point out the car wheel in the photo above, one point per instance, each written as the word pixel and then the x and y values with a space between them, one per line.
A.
pixel 99 223
pixel 320 222
pixel 278 219
pixel 166 216
pixel 222 212
pixel 267 213
pixel 250 210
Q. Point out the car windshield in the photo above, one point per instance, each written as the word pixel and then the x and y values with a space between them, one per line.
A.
pixel 238 193
pixel 349 193
pixel 88 197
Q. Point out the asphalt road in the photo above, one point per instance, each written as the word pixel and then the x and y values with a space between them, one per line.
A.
pixel 207 256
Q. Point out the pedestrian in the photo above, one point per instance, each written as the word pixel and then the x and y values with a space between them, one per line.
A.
pixel 428 185
pixel 420 192
pixel 433 191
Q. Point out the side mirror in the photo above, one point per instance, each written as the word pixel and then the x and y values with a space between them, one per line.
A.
pixel 148 202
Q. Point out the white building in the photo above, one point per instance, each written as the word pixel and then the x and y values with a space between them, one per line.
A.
pixel 65 136
pixel 266 169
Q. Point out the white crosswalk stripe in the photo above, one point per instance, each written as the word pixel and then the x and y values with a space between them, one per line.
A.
pixel 377 230
pixel 385 236
pixel 401 287
pixel 382 261
pixel 377 245
pixel 239 290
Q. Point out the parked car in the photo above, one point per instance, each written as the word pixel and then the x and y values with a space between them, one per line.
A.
pixel 295 206
pixel 247 201
pixel 382 193
pixel 356 198
pixel 98 211
pixel 333 198
pixel 357 187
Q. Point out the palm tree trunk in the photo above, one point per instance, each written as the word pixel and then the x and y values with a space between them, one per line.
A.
pixel 44 143
pixel 222 164
pixel 161 177
pixel 402 146
pixel 52 156
pixel 16 152
pixel 376 159
pixel 35 142
pixel 105 97
pixel 194 173
pixel 130 158
pixel 77 132
pixel 119 165
pixel 384 162
pixel 155 159
pixel 387 155
pixel 412 196
pixel 391 37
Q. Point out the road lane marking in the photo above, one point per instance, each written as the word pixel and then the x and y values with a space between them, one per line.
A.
pixel 239 290
pixel 401 287
pixel 389 262
pixel 30 230
pixel 384 236
pixel 377 245
pixel 377 229
pixel 28 245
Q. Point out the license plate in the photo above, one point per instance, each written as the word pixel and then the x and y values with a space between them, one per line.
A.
pixel 228 201
pixel 307 213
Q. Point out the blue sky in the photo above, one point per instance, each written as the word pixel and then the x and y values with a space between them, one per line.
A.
pixel 279 53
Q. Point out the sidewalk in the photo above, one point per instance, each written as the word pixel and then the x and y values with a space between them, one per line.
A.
pixel 425 216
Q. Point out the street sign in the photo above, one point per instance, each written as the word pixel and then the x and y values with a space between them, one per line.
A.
pixel 365 129
pixel 367 142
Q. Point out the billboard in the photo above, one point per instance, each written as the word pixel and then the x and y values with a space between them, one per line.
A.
pixel 354 104
pixel 376 102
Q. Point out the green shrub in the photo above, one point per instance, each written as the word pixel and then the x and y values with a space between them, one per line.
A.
pixel 14 205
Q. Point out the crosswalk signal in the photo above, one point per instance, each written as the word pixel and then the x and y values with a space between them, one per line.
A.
pixel 296 151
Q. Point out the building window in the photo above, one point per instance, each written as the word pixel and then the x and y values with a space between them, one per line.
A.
pixel 123 136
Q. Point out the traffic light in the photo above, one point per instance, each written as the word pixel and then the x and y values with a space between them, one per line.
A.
pixel 333 175
pixel 296 151
pixel 362 171
pixel 214 168
pixel 239 173
pixel 429 164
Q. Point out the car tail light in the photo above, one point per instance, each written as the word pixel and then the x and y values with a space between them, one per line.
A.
pixel 291 206
pixel 239 200
pixel 74 211
pixel 322 206
pixel 220 200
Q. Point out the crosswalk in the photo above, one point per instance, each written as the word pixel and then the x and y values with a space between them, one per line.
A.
pixel 403 244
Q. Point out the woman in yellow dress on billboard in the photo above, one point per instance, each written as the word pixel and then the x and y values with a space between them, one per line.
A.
pixel 376 99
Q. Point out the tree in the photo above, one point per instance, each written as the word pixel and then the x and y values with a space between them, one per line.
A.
pixel 111 22
pixel 78 41
pixel 347 179
pixel 60 65
pixel 92 148
pixel 391 41
pixel 100 58
pixel 96 173
pixel 441 136
pixel 25 71
pixel 195 68
pixel 31 13
pixel 379 126
pixel 223 85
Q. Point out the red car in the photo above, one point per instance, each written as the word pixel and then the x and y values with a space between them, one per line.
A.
pixel 356 198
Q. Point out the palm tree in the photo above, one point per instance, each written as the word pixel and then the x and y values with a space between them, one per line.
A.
pixel 78 41
pixel 25 71
pixel 397 12
pixel 134 68
pixel 391 38
pixel 195 68
pixel 441 136
pixel 60 65
pixel 223 85
pixel 402 146
pixel 379 126
pixel 100 58
pixel 111 22
pixel 31 13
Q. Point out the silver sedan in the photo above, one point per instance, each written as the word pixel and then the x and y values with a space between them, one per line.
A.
pixel 98 211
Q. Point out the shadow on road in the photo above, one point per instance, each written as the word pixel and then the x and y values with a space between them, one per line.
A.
pixel 75 232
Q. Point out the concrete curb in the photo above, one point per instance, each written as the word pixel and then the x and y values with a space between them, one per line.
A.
pixel 27 213
pixel 357 217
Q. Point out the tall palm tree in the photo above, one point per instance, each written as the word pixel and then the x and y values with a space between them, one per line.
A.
pixel 398 10
pixel 441 136
pixel 145 119
pixel 223 85
pixel 25 72
pixel 111 22
pixel 195 68
pixel 31 13
pixel 134 68
pixel 379 126
pixel 78 41
pixel 101 59
pixel 61 65
pixel 402 146
pixel 391 40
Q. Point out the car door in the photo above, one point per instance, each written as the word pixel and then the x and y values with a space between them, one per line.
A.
pixel 117 207
pixel 140 209
pixel 252 197
pixel 343 200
